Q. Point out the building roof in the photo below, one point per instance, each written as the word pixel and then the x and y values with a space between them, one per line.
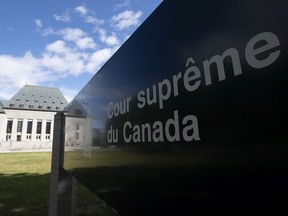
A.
pixel 37 98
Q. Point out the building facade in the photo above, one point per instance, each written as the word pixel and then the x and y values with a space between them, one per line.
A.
pixel 27 119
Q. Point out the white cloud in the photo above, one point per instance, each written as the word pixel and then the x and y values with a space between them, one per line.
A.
pixel 110 40
pixel 86 43
pixel 15 72
pixel 63 60
pixel 73 53
pixel 93 20
pixel 38 23
pixel 21 69
pixel 126 3
pixel 57 61
pixel 126 19
pixel 75 35
pixel 65 17
pixel 58 46
pixel 79 37
pixel 48 31
pixel 81 10
pixel 99 57
pixel 72 34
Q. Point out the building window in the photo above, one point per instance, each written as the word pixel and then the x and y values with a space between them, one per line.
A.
pixel 8 137
pixel 29 127
pixel 28 137
pixel 47 137
pixel 18 138
pixel 78 127
pixel 77 136
pixel 48 127
pixel 9 126
pixel 39 127
pixel 19 126
pixel 38 136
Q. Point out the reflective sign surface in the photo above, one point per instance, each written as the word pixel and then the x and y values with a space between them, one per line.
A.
pixel 190 114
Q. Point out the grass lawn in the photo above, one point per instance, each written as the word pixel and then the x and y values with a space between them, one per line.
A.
pixel 25 182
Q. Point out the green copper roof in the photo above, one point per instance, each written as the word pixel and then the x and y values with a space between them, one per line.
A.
pixel 37 98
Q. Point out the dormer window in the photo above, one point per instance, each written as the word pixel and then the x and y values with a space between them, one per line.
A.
pixel 11 105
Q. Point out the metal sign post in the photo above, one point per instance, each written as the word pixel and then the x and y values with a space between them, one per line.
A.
pixel 62 200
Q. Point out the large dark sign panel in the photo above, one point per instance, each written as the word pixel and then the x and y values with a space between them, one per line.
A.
pixel 190 114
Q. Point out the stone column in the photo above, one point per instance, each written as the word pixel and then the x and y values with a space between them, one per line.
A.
pixel 34 127
pixel 14 130
pixel 43 130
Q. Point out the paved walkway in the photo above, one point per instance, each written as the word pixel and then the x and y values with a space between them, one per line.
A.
pixel 21 150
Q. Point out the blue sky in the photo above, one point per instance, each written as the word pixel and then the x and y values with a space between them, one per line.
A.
pixel 62 43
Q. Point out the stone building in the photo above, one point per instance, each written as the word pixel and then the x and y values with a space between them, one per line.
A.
pixel 27 119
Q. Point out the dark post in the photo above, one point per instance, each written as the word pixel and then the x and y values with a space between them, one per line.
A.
pixel 62 200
